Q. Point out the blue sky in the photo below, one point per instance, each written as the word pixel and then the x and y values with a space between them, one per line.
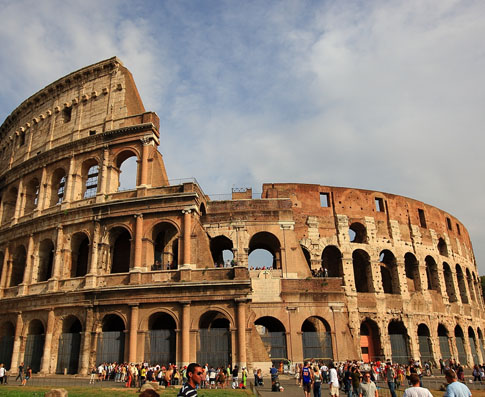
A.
pixel 384 95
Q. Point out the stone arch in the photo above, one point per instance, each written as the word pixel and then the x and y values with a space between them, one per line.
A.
pixel 202 210
pixel 124 158
pixel 161 339
pixel 424 340
pixel 399 338
pixel 221 246
pixel 58 187
pixel 9 202
pixel 307 255
pixel 460 345
pixel 214 339
pixel 111 340
pixel 442 247
pixel 34 345
pixel 370 343
pixel 450 285
pixel 412 272
pixel 90 177
pixel 432 274
pixel 332 261
pixel 31 195
pixel 444 341
pixel 18 266
pixel 273 335
pixel 46 260
pixel 461 284
pixel 7 336
pixel 362 271
pixel 69 345
pixel 316 339
pixel 268 242
pixel 389 273
pixel 120 249
pixel 79 254
pixel 473 345
pixel 165 236
pixel 357 233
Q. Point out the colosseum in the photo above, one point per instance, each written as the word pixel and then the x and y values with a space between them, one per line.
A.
pixel 94 273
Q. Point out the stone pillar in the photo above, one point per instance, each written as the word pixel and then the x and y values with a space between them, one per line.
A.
pixel 5 265
pixel 185 333
pixel 401 274
pixel 86 343
pixel 349 277
pixel 71 182
pixel 18 203
pixel 241 332
pixel 42 190
pixel 28 266
pixel 186 238
pixel 138 239
pixel 133 333
pixel 103 180
pixel 144 161
pixel 93 265
pixel 46 356
pixel 16 343
pixel 56 268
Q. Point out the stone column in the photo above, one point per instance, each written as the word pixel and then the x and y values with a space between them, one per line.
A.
pixel 86 342
pixel 93 265
pixel 28 266
pixel 185 332
pixel 56 268
pixel 133 333
pixel 18 203
pixel 46 356
pixel 3 276
pixel 42 190
pixel 103 180
pixel 144 161
pixel 138 240
pixel 16 343
pixel 241 332
pixel 186 238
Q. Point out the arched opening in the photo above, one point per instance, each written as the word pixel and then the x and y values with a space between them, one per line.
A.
pixel 69 346
pixel 317 339
pixel 307 256
pixel 161 342
pixel 442 248
pixel 120 246
pixel 450 285
pixel 31 195
pixel 432 274
pixel 214 341
pixel 370 344
pixel 362 271
pixel 460 345
pixel 412 272
pixel 390 278
pixel 221 250
pixel 166 239
pixel 58 187
pixel 79 254
pixel 111 341
pixel 90 173
pixel 461 284
pixel 18 266
pixel 273 335
pixel 7 335
pixel 424 340
pixel 2 259
pixel 357 233
pixel 470 285
pixel 480 343
pixel 202 210
pixel 9 203
pixel 332 261
pixel 34 345
pixel 399 342
pixel 444 342
pixel 127 167
pixel 473 345
pixel 46 260
pixel 264 241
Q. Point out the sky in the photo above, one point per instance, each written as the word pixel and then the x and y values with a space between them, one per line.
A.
pixel 380 95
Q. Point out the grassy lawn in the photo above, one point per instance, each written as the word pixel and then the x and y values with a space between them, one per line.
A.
pixel 27 391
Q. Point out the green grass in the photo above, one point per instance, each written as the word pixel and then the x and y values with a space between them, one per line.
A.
pixel 30 391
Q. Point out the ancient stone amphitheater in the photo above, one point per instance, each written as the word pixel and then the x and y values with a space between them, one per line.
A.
pixel 93 273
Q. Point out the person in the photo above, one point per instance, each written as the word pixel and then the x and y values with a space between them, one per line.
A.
pixel 244 375
pixel 455 388
pixel 390 376
pixel 194 377
pixel 416 390
pixel 28 374
pixel 21 372
pixel 306 379
pixel 355 377
pixel 317 382
pixel 235 377
pixel 367 388
pixel 92 378
pixel 334 385
pixel 2 373
pixel 149 393
pixel 274 373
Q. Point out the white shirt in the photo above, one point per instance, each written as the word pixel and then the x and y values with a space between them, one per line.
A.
pixel 334 377
pixel 2 372
pixel 417 392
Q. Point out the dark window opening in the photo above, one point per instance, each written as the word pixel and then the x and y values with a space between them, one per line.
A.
pixel 380 204
pixel 422 218
pixel 92 132
pixel 92 182
pixel 458 229
pixel 324 200
pixel 61 190
pixel 442 248
pixel 448 223
pixel 22 139
pixel 357 233
pixel 66 114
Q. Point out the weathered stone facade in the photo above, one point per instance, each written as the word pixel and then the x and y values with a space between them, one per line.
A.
pixel 78 283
